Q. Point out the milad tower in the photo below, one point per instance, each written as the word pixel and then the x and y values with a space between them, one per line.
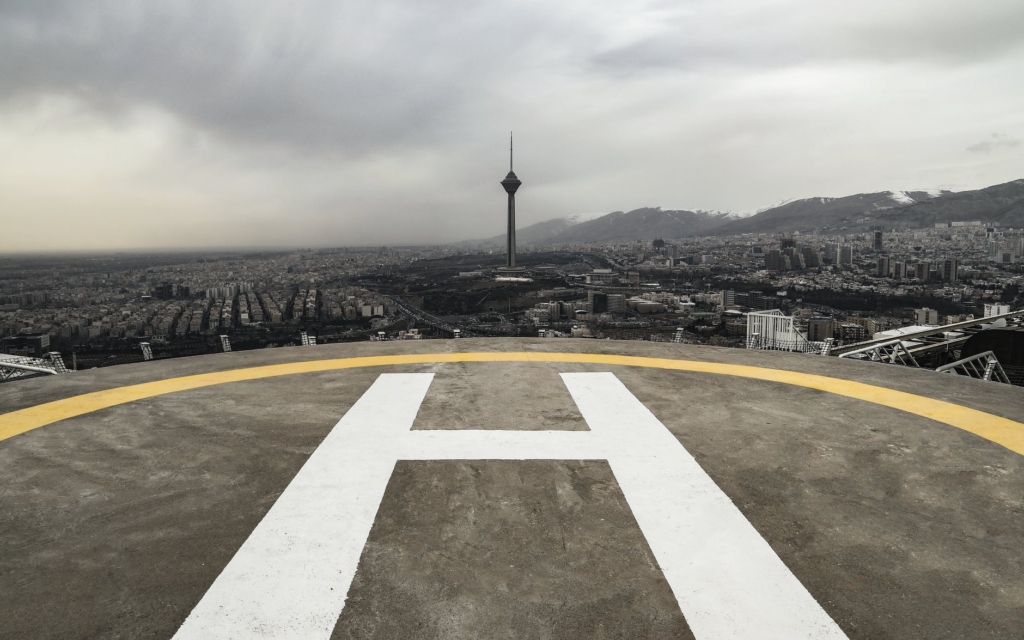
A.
pixel 511 184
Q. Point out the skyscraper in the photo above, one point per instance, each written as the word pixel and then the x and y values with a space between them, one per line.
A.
pixel 884 267
pixel 820 328
pixel 511 184
pixel 950 270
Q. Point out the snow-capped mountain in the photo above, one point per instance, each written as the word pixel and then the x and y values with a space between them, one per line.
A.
pixel 895 209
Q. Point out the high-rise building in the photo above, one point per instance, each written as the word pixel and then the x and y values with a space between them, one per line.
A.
pixel 922 270
pixel 996 309
pixel 926 316
pixel 846 254
pixel 511 184
pixel 899 270
pixel 773 260
pixel 949 270
pixel 796 259
pixel 884 267
pixel 728 298
pixel 851 332
pixel 597 301
pixel 164 291
pixel 869 324
pixel 819 329
pixel 32 346
pixel 812 257
pixel 878 240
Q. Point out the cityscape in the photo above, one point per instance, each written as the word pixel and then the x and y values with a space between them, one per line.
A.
pixel 97 310
pixel 645 319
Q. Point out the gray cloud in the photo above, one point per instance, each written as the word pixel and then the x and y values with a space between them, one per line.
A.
pixel 348 122
pixel 996 141
pixel 326 77
pixel 792 32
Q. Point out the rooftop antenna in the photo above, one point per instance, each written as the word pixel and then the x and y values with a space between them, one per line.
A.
pixel 509 150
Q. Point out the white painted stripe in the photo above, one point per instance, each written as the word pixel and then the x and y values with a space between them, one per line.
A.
pixel 291 577
pixel 728 581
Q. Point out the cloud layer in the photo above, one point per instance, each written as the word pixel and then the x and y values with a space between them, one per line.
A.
pixel 996 141
pixel 171 124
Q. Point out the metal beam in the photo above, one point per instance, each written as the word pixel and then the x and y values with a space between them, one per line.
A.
pixel 893 350
pixel 7 364
pixel 989 369
pixel 927 332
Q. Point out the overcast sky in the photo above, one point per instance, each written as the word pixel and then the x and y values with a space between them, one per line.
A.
pixel 257 123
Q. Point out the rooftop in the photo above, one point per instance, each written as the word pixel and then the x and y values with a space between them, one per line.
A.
pixel 540 487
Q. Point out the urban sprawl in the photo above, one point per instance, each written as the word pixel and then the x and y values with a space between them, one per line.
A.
pixel 846 288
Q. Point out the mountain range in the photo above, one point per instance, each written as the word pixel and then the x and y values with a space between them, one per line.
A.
pixel 1002 203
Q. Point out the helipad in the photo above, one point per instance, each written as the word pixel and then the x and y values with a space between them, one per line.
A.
pixel 510 489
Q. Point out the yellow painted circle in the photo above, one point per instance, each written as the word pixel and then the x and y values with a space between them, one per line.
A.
pixel 1003 431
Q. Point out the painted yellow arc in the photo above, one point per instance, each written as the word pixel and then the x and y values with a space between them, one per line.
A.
pixel 1003 431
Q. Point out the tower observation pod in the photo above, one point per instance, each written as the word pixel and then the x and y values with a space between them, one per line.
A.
pixel 511 184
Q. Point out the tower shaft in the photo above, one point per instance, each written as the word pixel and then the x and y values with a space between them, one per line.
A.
pixel 511 183
pixel 510 260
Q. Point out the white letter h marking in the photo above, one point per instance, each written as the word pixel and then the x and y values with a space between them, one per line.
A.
pixel 291 577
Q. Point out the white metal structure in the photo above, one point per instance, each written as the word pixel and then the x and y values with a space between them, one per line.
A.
pixel 893 352
pixel 12 367
pixel 225 343
pixel 57 361
pixel 773 331
pixel 959 327
pixel 147 351
pixel 984 366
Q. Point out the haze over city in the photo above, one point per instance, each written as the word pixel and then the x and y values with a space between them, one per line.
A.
pixel 186 124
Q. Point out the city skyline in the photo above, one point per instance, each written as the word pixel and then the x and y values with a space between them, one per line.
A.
pixel 133 126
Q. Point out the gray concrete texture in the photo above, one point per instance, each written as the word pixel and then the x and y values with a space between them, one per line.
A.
pixel 113 524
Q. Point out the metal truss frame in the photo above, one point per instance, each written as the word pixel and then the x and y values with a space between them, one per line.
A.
pixel 892 352
pixel 12 367
pixel 983 366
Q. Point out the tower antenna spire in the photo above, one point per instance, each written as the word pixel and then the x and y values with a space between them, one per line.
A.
pixel 509 150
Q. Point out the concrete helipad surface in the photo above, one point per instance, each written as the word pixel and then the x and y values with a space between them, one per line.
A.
pixel 511 489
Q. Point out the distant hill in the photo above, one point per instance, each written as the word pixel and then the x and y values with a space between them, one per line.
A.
pixel 541 232
pixel 642 224
pixel 822 213
pixel 1002 203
